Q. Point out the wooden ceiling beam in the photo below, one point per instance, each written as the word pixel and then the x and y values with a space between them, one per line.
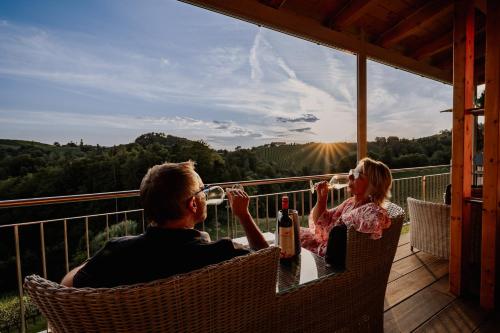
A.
pixel 276 4
pixel 294 24
pixel 442 43
pixel 350 13
pixel 481 5
pixel 422 16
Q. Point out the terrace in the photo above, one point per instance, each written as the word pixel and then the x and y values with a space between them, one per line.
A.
pixel 416 278
pixel 451 41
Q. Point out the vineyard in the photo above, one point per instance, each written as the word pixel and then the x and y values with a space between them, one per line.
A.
pixel 313 157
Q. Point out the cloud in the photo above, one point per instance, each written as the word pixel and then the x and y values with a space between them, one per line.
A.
pixel 128 127
pixel 308 118
pixel 221 124
pixel 255 83
pixel 301 130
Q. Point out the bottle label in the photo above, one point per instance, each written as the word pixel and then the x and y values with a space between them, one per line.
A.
pixel 287 241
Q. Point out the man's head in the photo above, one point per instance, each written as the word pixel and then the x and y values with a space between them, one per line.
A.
pixel 171 192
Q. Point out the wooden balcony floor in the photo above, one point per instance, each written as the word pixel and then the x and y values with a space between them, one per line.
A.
pixel 417 298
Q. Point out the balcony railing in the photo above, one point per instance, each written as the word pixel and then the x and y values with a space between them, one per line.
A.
pixel 53 246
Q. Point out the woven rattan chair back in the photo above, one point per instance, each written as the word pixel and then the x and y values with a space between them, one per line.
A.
pixel 351 301
pixel 234 296
pixel 429 227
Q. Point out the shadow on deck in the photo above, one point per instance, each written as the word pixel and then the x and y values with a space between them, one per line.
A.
pixel 418 298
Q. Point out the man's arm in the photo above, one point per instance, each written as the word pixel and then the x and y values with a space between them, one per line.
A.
pixel 68 278
pixel 239 201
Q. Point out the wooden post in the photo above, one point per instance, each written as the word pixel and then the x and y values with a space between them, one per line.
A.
pixel 491 183
pixel 463 92
pixel 469 93
pixel 361 123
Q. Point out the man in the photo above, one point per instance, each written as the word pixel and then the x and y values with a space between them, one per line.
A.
pixel 174 201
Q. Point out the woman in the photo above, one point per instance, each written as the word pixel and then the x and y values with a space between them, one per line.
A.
pixel 369 185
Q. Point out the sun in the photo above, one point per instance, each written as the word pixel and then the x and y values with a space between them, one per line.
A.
pixel 326 154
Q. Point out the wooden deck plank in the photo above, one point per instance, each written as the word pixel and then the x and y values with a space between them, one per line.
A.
pixel 403 251
pixel 415 310
pixel 459 316
pixel 418 298
pixel 409 264
pixel 491 325
pixel 409 284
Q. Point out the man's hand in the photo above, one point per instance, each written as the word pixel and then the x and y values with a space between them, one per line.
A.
pixel 238 200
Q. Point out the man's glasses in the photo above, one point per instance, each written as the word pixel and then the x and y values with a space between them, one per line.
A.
pixel 214 195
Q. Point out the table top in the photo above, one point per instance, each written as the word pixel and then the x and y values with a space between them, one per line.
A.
pixel 305 268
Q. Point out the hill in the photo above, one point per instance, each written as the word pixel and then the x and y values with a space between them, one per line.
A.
pixel 314 158
pixel 31 169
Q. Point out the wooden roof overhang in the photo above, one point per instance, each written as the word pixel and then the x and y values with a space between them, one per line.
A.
pixel 413 35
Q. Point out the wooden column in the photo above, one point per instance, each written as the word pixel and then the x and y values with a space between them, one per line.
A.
pixel 491 184
pixel 362 117
pixel 463 92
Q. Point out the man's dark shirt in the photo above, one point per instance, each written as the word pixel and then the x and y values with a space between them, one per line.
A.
pixel 156 254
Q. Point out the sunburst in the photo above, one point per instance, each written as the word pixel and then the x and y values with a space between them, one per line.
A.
pixel 325 154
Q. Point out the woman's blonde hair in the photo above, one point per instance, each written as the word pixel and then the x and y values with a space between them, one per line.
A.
pixel 379 179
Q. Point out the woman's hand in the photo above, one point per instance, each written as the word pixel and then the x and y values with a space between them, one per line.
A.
pixel 322 197
pixel 322 192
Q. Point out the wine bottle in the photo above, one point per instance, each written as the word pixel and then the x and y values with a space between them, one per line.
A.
pixel 286 232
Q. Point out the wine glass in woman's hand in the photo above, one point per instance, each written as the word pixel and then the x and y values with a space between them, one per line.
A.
pixel 336 182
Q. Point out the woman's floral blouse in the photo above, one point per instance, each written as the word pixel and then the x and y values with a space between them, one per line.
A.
pixel 369 218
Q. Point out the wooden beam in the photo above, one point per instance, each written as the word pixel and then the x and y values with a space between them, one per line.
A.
pixel 481 5
pixel 469 93
pixel 307 28
pixel 479 51
pixel 442 43
pixel 350 13
pixel 276 4
pixel 423 16
pixel 362 149
pixel 491 184
pixel 463 87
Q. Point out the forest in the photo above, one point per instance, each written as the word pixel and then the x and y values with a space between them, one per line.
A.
pixel 31 169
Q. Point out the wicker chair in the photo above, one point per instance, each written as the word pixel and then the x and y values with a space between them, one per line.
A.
pixel 351 301
pixel 234 296
pixel 430 227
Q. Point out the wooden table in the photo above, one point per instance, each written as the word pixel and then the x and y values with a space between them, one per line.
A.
pixel 306 268
pixel 303 269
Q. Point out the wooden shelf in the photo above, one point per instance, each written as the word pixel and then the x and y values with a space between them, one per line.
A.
pixel 475 111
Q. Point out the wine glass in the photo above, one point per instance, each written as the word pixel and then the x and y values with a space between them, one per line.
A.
pixel 237 187
pixel 215 195
pixel 336 182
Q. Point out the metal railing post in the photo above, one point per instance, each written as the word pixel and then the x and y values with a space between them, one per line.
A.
pixel 19 279
pixel 87 242
pixel 423 187
pixel 107 227
pixel 42 246
pixel 216 223
pixel 66 255
pixel 267 212
pixel 125 224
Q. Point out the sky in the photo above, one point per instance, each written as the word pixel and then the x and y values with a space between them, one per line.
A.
pixel 107 71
